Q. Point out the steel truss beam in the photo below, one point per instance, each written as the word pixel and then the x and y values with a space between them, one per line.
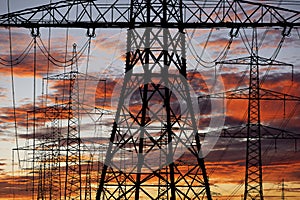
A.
pixel 116 14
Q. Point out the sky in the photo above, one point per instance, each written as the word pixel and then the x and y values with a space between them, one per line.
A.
pixel 225 162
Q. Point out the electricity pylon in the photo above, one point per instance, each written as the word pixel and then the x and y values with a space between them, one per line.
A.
pixel 64 160
pixel 148 16
pixel 48 148
pixel 255 131
pixel 75 151
pixel 151 131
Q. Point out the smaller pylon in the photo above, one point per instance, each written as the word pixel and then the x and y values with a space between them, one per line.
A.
pixel 255 130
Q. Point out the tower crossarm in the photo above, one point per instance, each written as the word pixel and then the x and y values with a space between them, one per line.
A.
pixel 265 94
pixel 53 112
pixel 117 14
pixel 232 94
pixel 261 61
pixel 72 75
pixel 277 133
pixel 239 132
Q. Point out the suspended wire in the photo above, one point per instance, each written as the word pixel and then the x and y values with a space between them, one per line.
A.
pixel 13 90
pixel 112 60
pixel 46 52
pixel 87 67
pixel 45 93
pixel 285 122
pixel 20 58
pixel 66 54
pixel 196 57
pixel 203 62
pixel 270 157
pixel 34 107
pixel 205 45
pixel 48 67
pixel 263 37
pixel 246 41
pixel 64 191
pixel 56 62
pixel 236 189
pixel 237 86
pixel 211 172
pixel 13 174
pixel 224 52
pixel 272 59
pixel 48 64
pixel 297 30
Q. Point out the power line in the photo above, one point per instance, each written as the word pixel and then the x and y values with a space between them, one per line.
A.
pixel 13 89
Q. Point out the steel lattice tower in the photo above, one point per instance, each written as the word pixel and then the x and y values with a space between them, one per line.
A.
pixel 72 142
pixel 49 186
pixel 254 131
pixel 148 22
pixel 143 130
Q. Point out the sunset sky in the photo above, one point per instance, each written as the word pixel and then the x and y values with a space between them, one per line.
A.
pixel 226 161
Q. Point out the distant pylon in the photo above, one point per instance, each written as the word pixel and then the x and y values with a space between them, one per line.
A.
pixel 72 142
pixel 255 131
pixel 282 190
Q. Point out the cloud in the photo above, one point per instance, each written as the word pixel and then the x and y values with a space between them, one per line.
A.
pixel 8 115
pixel 3 92
pixel 15 187
pixel 111 43
pixel 2 164
pixel 24 115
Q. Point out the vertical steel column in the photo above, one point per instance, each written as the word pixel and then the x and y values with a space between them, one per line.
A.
pixel 73 141
pixel 253 176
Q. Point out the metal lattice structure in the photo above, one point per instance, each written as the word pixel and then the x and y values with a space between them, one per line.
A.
pixel 48 148
pixel 117 14
pixel 63 161
pixel 154 127
pixel 254 131
pixel 155 19
pixel 76 154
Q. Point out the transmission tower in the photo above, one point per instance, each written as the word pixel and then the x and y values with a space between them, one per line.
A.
pixel 62 161
pixel 149 132
pixel 75 149
pixel 282 190
pixel 159 54
pixel 48 148
pixel 255 131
